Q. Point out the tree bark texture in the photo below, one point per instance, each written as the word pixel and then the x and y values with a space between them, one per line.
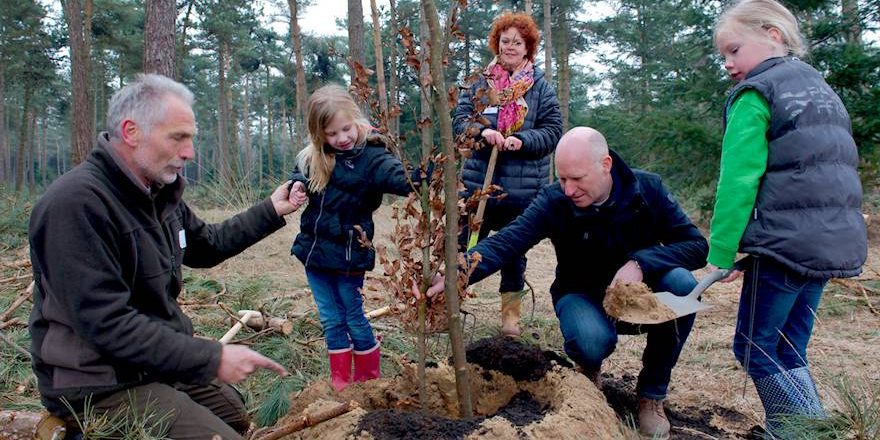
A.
pixel 302 90
pixel 159 27
pixel 4 146
pixel 24 134
pixel 79 24
pixel 852 22
pixel 563 71
pixel 427 137
pixel 380 66
pixel 450 177
pixel 393 87
pixel 355 35
pixel 548 61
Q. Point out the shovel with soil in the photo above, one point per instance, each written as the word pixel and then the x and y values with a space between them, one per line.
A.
pixel 635 303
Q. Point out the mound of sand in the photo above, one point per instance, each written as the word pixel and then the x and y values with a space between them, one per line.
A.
pixel 636 303
pixel 561 404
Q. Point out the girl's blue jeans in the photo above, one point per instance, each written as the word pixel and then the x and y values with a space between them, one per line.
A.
pixel 591 335
pixel 341 309
pixel 775 319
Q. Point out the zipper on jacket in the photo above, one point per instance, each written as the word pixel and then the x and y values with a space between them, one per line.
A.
pixel 315 231
pixel 348 248
pixel 755 215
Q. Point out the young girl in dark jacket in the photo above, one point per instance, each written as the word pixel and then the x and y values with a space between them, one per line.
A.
pixel 345 172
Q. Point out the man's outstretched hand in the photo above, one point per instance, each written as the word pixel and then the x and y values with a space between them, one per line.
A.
pixel 435 287
pixel 237 362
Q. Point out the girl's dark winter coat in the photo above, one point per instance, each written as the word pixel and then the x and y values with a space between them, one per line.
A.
pixel 328 239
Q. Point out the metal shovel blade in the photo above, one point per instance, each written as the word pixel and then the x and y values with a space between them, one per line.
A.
pixel 685 305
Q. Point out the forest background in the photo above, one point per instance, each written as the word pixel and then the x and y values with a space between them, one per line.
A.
pixel 656 94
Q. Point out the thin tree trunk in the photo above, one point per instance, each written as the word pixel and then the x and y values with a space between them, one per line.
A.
pixel 301 88
pixel 270 146
pixel 394 105
pixel 563 70
pixel 528 7
pixel 44 150
pixel 23 140
pixel 548 60
pixel 246 127
pixel 380 66
pixel 223 154
pixel 4 146
pixel 285 150
pixel 160 18
pixel 181 46
pixel 450 177
pixel 425 128
pixel 852 24
pixel 33 151
pixel 356 54
pixel 79 24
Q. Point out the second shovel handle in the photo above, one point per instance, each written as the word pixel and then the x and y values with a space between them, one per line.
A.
pixel 707 281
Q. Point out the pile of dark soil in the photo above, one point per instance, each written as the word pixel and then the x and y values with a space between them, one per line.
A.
pixel 395 424
pixel 509 356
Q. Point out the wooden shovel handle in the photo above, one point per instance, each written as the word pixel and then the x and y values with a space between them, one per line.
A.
pixel 481 207
pixel 235 328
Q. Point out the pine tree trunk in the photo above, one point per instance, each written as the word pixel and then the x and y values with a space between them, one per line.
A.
pixel 548 61
pixel 270 146
pixel 450 177
pixel 181 45
pixel 79 24
pixel 159 26
pixel 222 152
pixel 301 88
pixel 4 146
pixel 246 127
pixel 394 105
pixel 356 49
pixel 44 151
pixel 23 140
pixel 32 151
pixel 852 24
pixel 528 7
pixel 380 67
pixel 563 70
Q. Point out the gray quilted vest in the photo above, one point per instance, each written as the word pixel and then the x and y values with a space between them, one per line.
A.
pixel 807 214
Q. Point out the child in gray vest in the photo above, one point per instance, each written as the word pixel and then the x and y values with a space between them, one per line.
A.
pixel 788 196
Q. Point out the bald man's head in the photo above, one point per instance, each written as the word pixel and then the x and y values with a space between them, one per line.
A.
pixel 584 166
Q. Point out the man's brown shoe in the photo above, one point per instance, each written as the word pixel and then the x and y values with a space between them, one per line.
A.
pixel 653 423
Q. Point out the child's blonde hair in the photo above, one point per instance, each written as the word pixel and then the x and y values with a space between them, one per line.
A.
pixel 315 161
pixel 761 15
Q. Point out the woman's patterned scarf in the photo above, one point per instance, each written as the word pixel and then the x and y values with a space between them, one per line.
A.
pixel 506 91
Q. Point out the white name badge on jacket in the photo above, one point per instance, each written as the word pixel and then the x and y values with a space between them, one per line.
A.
pixel 181 238
pixel 491 110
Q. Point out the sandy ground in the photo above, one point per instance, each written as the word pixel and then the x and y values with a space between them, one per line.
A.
pixel 707 376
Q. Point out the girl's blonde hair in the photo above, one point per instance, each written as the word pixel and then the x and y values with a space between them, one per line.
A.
pixel 316 161
pixel 761 15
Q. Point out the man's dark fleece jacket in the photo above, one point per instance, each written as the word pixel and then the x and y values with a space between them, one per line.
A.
pixel 640 221
pixel 107 255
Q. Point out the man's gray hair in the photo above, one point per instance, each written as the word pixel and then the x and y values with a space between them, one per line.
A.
pixel 142 101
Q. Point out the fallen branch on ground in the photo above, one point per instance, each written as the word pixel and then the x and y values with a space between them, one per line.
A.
pixel 858 287
pixel 310 420
pixel 14 322
pixel 24 296
pixel 17 348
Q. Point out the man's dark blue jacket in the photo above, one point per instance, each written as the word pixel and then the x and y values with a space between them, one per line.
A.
pixel 640 221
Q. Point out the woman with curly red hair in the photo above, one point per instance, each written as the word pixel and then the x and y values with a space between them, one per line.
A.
pixel 520 118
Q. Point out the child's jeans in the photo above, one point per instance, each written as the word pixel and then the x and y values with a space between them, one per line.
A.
pixel 341 309
pixel 776 312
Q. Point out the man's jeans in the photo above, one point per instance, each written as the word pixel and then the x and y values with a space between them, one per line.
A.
pixel 591 335
pixel 776 312
pixel 341 309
